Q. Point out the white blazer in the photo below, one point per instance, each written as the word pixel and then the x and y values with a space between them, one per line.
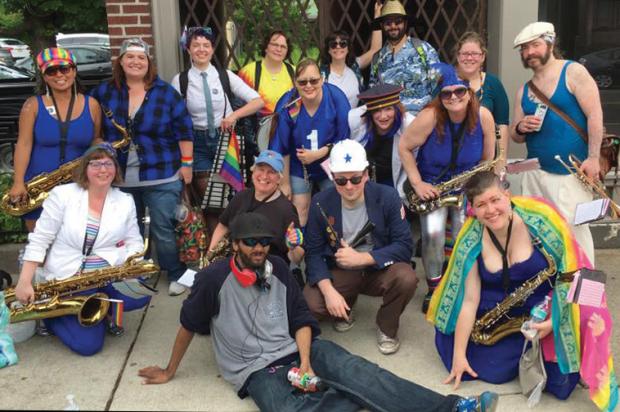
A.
pixel 62 226
pixel 357 124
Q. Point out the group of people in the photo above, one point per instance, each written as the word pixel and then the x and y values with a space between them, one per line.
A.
pixel 331 194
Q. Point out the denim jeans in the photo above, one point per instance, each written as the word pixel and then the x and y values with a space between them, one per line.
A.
pixel 205 148
pixel 353 383
pixel 162 201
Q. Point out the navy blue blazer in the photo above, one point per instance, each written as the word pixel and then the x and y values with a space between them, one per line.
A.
pixel 391 235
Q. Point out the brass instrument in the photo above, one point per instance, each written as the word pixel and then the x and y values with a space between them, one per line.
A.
pixel 448 190
pixel 595 187
pixel 221 249
pixel 39 186
pixel 483 332
pixel 52 299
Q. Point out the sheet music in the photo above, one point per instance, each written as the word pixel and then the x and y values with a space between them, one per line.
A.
pixel 591 211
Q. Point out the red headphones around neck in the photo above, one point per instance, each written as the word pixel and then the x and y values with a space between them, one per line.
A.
pixel 248 277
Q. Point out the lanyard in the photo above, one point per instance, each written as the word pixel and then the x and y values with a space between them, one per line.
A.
pixel 456 147
pixel 255 204
pixel 64 125
pixel 504 252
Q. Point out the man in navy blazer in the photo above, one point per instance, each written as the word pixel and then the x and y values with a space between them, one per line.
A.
pixel 358 241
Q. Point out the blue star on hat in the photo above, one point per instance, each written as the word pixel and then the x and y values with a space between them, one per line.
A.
pixel 347 158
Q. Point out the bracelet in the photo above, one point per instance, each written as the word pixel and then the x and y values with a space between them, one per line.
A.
pixel 517 128
pixel 187 164
pixel 187 158
pixel 329 148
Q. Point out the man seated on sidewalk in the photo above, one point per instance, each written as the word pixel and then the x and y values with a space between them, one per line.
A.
pixel 261 328
pixel 379 266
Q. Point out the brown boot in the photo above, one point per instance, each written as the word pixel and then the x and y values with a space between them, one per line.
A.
pixel 432 285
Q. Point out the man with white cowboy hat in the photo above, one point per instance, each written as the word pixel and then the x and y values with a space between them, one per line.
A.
pixel 404 60
pixel 557 113
pixel 358 241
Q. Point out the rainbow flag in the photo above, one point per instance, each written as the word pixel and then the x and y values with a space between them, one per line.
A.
pixel 294 108
pixel 231 168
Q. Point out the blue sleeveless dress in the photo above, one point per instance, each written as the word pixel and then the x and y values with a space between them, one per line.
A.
pixel 45 154
pixel 499 363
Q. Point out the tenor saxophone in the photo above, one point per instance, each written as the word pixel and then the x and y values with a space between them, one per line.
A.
pixel 38 188
pixel 53 298
pixel 449 194
pixel 593 186
pixel 483 332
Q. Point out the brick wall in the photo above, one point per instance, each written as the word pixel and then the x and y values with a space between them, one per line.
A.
pixel 129 18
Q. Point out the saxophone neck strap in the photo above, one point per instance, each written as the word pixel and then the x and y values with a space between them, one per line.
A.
pixel 504 252
pixel 63 124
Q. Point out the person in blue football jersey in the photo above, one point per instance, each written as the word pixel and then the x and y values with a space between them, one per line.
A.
pixel 310 119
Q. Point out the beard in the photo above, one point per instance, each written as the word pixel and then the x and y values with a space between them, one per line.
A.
pixel 251 260
pixel 395 38
pixel 543 59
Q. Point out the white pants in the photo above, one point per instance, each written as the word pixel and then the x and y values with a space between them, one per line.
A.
pixel 565 191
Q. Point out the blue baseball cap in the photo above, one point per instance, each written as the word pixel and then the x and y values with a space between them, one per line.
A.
pixel 272 158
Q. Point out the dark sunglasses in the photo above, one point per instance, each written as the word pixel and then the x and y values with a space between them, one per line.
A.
pixel 313 82
pixel 53 71
pixel 447 94
pixel 342 181
pixel 335 43
pixel 252 241
pixel 396 21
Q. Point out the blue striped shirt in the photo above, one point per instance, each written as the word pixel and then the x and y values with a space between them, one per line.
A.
pixel 158 126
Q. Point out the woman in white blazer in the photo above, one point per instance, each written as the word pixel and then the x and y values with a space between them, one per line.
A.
pixel 84 226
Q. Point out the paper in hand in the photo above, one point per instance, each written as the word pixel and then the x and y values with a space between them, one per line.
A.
pixel 591 211
pixel 587 288
pixel 187 279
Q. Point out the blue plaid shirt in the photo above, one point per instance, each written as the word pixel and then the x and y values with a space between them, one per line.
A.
pixel 158 126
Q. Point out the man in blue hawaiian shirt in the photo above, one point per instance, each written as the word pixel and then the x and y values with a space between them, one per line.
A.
pixel 404 61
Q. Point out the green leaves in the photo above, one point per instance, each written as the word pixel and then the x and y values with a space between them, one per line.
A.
pixel 11 229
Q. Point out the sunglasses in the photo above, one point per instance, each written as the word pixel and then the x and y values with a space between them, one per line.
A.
pixel 397 21
pixel 99 164
pixel 342 181
pixel 313 82
pixel 53 71
pixel 447 94
pixel 252 241
pixel 335 43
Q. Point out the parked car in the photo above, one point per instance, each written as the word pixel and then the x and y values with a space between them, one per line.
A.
pixel 6 58
pixel 93 64
pixel 604 66
pixel 15 87
pixel 83 39
pixel 17 48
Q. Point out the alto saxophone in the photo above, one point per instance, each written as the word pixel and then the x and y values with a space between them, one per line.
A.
pixel 483 332
pixel 449 194
pixel 221 249
pixel 595 187
pixel 38 188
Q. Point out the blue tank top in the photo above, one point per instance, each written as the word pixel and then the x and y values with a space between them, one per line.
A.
pixel 492 291
pixel 556 137
pixel 45 154
pixel 435 154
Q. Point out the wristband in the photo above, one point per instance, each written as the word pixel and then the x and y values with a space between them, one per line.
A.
pixel 518 130
pixel 187 164
pixel 187 158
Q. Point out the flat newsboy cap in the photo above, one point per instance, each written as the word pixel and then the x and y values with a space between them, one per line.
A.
pixel 533 31
pixel 380 96
pixel 250 224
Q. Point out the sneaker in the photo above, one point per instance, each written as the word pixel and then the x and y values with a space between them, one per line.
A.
pixel 427 301
pixel 41 329
pixel 486 402
pixel 387 345
pixel 114 329
pixel 175 288
pixel 341 325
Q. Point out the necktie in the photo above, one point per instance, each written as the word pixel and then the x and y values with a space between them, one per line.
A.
pixel 207 92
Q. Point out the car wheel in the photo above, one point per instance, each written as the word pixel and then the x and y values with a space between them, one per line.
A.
pixel 603 81
pixel 6 158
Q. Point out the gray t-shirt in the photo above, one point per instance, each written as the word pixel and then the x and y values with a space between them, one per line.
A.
pixel 353 220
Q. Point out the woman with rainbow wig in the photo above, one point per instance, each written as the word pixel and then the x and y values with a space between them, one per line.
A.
pixel 496 251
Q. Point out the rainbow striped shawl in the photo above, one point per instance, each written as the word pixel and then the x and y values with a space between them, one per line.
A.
pixel 581 334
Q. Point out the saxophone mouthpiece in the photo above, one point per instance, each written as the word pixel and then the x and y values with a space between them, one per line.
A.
pixel 557 157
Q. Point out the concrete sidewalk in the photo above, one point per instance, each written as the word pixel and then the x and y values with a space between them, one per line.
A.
pixel 48 371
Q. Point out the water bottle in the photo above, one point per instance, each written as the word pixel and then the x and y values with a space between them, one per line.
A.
pixel 71 405
pixel 305 381
pixel 537 315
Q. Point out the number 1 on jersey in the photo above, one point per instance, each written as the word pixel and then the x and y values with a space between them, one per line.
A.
pixel 314 139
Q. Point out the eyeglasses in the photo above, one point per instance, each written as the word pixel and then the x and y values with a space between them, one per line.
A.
pixel 447 94
pixel 252 241
pixel 99 164
pixel 335 43
pixel 53 71
pixel 279 46
pixel 313 82
pixel 397 21
pixel 475 55
pixel 342 181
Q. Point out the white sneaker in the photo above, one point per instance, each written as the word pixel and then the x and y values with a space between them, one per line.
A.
pixel 387 345
pixel 341 325
pixel 175 289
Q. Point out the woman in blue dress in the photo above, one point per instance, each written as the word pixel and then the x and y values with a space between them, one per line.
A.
pixel 310 119
pixel 55 126
pixel 453 134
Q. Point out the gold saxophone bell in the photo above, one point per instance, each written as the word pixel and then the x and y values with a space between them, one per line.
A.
pixel 593 186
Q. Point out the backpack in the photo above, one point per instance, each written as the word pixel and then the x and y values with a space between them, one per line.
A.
pixel 259 69
pixel 183 82
pixel 417 44
pixel 325 70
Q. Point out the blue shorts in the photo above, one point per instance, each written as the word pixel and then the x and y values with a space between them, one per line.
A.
pixel 205 147
pixel 300 186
